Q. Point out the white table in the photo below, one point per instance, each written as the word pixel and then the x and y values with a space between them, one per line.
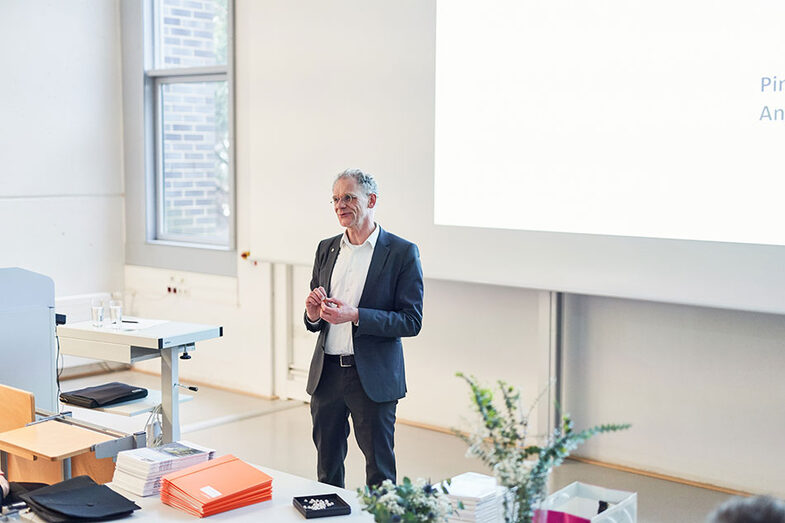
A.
pixel 277 510
pixel 138 340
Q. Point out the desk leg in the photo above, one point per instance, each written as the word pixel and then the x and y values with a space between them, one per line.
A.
pixel 170 400
pixel 3 462
pixel 66 469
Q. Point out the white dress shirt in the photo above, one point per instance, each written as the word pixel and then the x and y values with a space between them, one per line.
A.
pixel 346 284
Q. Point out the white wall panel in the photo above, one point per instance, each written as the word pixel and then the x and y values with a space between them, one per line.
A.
pixel 76 241
pixel 334 85
pixel 61 98
pixel 240 360
pixel 61 179
pixel 703 389
pixel 483 330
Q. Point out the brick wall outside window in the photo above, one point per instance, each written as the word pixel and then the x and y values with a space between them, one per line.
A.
pixel 194 120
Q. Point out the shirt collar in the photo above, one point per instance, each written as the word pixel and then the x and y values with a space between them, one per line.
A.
pixel 370 240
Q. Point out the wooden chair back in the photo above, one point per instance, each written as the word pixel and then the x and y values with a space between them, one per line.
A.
pixel 17 408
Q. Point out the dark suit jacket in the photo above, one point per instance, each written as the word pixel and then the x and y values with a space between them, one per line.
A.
pixel 390 308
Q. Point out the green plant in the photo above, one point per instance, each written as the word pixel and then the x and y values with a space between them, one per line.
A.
pixel 409 502
pixel 500 442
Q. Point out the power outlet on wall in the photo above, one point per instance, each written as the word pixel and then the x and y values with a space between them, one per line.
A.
pixel 177 285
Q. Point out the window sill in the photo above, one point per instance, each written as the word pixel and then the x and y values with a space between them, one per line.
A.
pixel 202 258
pixel 189 245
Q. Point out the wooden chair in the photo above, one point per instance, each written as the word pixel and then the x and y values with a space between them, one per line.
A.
pixel 17 409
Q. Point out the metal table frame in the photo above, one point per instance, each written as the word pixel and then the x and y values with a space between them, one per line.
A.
pixel 140 340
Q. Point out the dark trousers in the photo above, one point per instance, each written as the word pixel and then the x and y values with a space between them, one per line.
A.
pixel 339 394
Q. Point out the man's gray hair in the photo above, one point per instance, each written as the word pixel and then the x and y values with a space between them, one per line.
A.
pixel 364 180
pixel 758 509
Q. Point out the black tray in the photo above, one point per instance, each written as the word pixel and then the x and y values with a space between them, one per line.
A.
pixel 339 508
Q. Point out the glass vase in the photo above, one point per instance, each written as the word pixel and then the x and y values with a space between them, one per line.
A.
pixel 522 506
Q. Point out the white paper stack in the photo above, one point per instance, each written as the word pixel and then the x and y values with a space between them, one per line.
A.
pixel 139 471
pixel 480 495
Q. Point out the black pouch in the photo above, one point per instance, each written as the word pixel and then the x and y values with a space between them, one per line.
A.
pixel 78 499
pixel 103 395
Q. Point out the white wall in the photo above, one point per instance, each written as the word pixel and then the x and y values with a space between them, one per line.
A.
pixel 61 178
pixel 242 359
pixel 323 86
pixel 488 331
pixel 702 387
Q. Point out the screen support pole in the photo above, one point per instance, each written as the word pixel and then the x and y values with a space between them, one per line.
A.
pixel 555 352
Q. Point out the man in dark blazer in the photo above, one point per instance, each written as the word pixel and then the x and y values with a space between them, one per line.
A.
pixel 366 294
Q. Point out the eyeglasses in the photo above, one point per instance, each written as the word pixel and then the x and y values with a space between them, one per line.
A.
pixel 346 199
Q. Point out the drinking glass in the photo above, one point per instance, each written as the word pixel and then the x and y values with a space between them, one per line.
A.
pixel 97 313
pixel 116 313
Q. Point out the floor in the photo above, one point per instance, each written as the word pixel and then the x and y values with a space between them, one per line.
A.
pixel 276 434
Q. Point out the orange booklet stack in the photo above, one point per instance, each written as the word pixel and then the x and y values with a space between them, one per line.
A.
pixel 215 486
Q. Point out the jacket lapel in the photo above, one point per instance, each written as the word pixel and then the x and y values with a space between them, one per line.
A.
pixel 326 275
pixel 380 253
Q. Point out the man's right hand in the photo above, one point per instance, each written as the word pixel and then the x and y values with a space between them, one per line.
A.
pixel 313 303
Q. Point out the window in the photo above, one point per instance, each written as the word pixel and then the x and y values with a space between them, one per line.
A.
pixel 189 124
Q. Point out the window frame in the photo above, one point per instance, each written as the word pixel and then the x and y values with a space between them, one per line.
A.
pixel 154 79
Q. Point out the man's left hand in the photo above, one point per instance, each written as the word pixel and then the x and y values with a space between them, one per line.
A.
pixel 335 311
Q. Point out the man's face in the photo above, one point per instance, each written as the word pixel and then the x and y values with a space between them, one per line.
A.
pixel 351 205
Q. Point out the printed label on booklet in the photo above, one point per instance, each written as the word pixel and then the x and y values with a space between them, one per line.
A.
pixel 178 449
pixel 210 491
